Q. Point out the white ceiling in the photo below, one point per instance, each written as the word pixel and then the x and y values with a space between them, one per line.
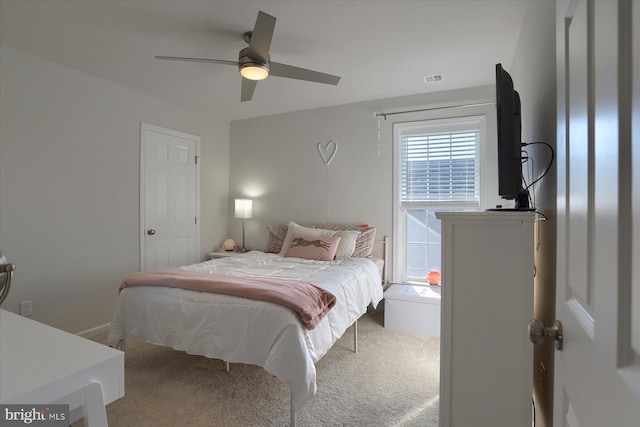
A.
pixel 380 49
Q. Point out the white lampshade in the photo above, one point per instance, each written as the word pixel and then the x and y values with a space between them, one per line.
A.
pixel 244 208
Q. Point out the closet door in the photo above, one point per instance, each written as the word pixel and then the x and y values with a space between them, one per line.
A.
pixel 169 192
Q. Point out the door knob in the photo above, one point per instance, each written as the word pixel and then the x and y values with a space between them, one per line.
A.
pixel 538 333
pixel 151 232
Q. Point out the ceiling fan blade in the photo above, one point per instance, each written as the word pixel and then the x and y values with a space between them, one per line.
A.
pixel 214 61
pixel 261 37
pixel 291 72
pixel 248 86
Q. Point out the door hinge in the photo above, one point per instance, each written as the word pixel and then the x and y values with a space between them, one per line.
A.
pixel 197 157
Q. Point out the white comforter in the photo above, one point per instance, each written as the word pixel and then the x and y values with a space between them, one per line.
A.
pixel 241 330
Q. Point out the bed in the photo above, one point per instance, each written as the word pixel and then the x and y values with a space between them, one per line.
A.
pixel 243 330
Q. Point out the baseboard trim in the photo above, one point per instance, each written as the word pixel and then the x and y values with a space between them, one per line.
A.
pixel 90 333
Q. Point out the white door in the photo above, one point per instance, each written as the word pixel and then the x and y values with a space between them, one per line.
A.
pixel 169 189
pixel 597 373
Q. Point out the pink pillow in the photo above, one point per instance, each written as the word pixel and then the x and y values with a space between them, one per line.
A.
pixel 317 248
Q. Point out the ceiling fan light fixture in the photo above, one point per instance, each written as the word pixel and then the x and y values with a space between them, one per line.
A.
pixel 253 71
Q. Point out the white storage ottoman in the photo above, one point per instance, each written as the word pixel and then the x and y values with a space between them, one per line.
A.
pixel 413 308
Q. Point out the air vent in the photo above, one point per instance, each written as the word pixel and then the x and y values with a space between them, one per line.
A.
pixel 433 78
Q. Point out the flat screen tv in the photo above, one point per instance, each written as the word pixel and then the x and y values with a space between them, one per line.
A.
pixel 509 141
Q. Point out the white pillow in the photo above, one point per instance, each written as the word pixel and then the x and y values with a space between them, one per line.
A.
pixel 347 243
pixel 347 238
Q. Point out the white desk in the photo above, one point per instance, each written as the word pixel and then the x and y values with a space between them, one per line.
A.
pixel 40 364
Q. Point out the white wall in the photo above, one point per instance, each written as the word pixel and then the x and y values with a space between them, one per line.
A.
pixel 275 161
pixel 69 185
pixel 534 75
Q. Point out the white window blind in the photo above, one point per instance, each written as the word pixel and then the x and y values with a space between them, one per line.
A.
pixel 439 168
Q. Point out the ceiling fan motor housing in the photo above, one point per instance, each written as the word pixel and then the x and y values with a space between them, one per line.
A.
pixel 252 68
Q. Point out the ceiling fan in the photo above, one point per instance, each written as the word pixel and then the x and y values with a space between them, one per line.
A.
pixel 254 61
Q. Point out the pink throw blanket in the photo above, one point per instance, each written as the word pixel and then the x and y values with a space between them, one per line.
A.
pixel 309 301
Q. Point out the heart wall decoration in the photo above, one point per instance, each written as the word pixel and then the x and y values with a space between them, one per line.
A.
pixel 328 151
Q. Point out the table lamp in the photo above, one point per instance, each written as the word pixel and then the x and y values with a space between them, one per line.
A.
pixel 244 208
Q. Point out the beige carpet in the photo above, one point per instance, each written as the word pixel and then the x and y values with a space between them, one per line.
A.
pixel 393 380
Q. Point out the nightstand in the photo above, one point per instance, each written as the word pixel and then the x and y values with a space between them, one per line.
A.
pixel 214 255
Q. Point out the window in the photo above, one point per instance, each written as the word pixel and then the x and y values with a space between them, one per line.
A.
pixel 437 169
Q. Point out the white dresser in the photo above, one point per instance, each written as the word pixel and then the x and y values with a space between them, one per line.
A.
pixel 486 358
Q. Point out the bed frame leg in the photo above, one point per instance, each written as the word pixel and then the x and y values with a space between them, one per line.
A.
pixel 292 413
pixel 226 366
pixel 119 345
pixel 355 336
